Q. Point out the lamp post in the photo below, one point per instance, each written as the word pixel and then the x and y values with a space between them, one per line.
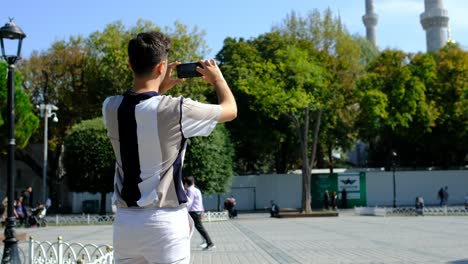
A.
pixel 394 155
pixel 12 32
pixel 46 112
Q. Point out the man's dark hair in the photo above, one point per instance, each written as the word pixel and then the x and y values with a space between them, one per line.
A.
pixel 147 50
pixel 189 180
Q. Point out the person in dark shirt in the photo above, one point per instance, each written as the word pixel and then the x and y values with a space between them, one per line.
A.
pixel 326 200
pixel 344 199
pixel 26 202
pixel 333 199
pixel 274 210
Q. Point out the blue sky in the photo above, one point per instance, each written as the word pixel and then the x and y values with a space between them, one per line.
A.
pixel 48 20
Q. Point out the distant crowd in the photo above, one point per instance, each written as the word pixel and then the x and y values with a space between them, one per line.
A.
pixel 25 213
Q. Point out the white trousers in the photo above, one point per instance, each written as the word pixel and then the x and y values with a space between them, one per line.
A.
pixel 151 235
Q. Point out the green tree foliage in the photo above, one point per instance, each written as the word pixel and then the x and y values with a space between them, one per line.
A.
pixel 26 122
pixel 304 63
pixel 368 51
pixel 262 137
pixel 393 102
pixel 79 73
pixel 109 58
pixel 416 105
pixel 451 96
pixel 343 57
pixel 89 159
pixel 210 161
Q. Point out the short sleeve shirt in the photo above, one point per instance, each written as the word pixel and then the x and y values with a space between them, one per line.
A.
pixel 148 132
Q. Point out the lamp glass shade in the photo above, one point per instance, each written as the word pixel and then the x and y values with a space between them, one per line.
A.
pixel 10 33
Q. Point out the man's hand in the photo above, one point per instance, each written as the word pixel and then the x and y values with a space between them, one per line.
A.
pixel 212 74
pixel 210 71
pixel 168 83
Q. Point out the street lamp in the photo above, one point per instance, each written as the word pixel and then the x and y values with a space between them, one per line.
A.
pixel 12 32
pixel 47 111
pixel 394 155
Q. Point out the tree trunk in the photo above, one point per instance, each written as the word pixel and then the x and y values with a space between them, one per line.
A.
pixel 281 160
pixel 320 160
pixel 330 158
pixel 314 146
pixel 102 210
pixel 316 133
pixel 303 136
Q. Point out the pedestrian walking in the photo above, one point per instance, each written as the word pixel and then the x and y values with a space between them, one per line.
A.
pixel 326 200
pixel 344 199
pixel 440 196
pixel 26 202
pixel 333 199
pixel 148 132
pixel 196 211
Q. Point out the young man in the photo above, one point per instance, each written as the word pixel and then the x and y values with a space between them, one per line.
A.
pixel 196 210
pixel 148 131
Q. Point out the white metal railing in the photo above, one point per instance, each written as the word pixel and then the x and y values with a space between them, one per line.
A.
pixel 67 253
pixel 216 216
pixel 109 219
pixel 433 210
pixel 409 211
pixel 80 219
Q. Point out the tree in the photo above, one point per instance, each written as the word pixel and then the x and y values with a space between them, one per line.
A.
pixel 392 98
pixel 77 74
pixel 368 51
pixel 262 144
pixel 449 139
pixel 344 57
pixel 89 159
pixel 280 76
pixel 108 57
pixel 210 161
pixel 415 104
pixel 26 122
pixel 302 65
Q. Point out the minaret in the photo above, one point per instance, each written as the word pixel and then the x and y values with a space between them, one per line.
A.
pixel 370 21
pixel 434 20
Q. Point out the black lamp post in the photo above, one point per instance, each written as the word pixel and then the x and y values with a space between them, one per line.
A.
pixel 12 32
pixel 394 155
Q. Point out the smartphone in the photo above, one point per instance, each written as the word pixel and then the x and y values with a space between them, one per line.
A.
pixel 188 70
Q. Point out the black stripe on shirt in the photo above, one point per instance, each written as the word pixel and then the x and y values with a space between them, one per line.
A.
pixel 177 166
pixel 129 146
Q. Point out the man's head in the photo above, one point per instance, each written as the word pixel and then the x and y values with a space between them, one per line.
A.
pixel 29 189
pixel 189 180
pixel 148 51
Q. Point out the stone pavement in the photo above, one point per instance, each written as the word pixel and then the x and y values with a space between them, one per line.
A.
pixel 256 238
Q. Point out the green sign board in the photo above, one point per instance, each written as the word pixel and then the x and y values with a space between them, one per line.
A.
pixel 353 182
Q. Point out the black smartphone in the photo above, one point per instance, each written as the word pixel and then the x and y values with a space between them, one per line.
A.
pixel 188 70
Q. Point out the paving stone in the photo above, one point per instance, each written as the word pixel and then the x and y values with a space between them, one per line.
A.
pixel 348 239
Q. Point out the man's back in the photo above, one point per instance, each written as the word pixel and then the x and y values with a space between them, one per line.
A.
pixel 148 133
